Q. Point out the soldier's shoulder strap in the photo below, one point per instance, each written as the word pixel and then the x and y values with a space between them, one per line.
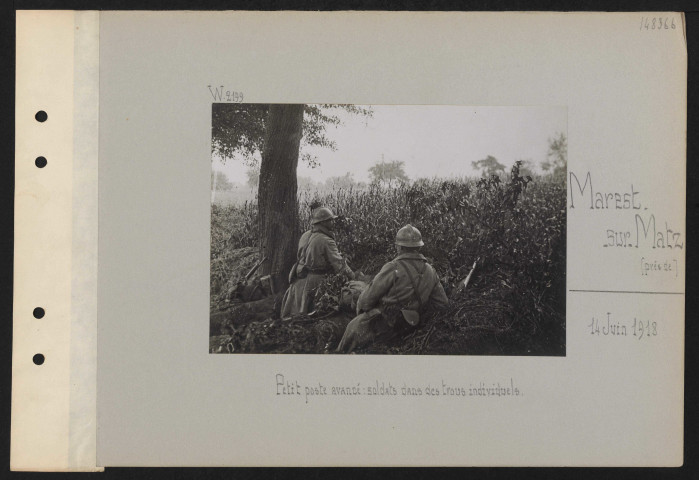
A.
pixel 403 265
pixel 304 249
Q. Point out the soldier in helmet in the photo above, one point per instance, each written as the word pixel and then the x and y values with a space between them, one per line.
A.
pixel 394 300
pixel 317 256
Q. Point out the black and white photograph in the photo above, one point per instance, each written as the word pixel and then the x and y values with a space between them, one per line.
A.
pixel 388 229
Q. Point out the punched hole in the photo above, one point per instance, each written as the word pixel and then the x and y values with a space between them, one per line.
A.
pixel 41 116
pixel 39 312
pixel 38 359
pixel 40 162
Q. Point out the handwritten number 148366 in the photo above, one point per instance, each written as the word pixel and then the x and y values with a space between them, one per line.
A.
pixel 657 23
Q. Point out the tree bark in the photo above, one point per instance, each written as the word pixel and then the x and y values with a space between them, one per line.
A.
pixel 278 220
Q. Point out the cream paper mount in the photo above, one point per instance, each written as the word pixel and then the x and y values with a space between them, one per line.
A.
pixel 114 238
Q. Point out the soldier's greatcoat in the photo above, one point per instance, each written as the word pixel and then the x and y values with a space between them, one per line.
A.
pixel 317 256
pixel 392 290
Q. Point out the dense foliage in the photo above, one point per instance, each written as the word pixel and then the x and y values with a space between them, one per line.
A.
pixel 515 226
pixel 240 128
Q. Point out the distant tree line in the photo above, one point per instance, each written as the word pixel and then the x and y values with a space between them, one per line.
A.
pixel 555 164
pixel 392 173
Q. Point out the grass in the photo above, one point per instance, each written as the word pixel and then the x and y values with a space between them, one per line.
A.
pixel 515 303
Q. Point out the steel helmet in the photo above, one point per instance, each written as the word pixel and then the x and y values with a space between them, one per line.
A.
pixel 409 236
pixel 322 214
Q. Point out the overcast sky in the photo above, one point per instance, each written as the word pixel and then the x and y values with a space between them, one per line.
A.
pixel 439 141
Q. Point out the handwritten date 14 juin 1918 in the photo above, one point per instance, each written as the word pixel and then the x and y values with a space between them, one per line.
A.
pixel 615 328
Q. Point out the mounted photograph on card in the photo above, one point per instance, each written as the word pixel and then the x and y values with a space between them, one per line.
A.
pixel 437 238
pixel 388 229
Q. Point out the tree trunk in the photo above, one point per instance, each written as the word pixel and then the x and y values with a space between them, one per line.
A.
pixel 277 201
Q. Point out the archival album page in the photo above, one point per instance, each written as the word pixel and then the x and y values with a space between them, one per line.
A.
pixel 350 238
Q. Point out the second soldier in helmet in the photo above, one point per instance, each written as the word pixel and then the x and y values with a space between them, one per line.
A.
pixel 394 300
pixel 317 256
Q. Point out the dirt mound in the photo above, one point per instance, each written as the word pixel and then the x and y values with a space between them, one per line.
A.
pixel 479 321
pixel 226 319
pixel 498 314
pixel 301 334
pixel 471 326
pixel 227 270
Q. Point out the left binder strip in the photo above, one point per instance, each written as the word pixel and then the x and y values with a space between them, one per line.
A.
pixel 55 260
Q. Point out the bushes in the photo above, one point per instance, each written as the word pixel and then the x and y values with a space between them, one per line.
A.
pixel 516 226
pixel 233 236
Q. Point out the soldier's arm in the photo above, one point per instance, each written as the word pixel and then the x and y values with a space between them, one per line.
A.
pixel 335 259
pixel 378 287
pixel 438 297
